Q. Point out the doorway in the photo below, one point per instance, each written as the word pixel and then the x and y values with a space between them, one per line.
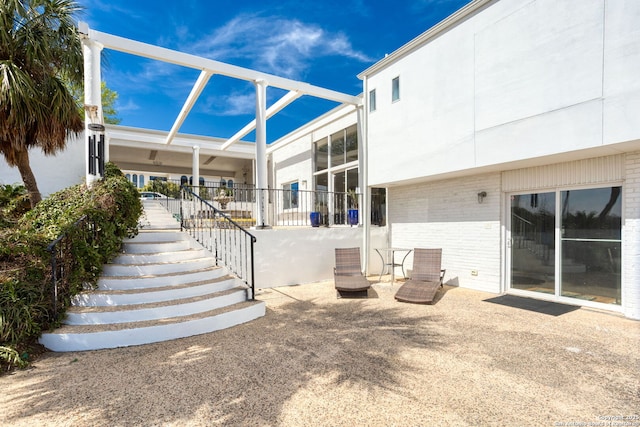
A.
pixel 567 243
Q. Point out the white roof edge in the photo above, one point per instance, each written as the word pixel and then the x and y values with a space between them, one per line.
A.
pixel 428 35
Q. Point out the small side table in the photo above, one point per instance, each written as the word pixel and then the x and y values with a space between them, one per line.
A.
pixel 389 261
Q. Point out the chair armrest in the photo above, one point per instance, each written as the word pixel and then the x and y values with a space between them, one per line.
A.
pixel 442 276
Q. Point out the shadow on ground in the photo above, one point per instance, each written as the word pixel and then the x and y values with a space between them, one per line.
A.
pixel 246 375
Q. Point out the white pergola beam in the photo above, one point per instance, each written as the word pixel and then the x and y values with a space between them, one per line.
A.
pixel 277 106
pixel 188 105
pixel 133 47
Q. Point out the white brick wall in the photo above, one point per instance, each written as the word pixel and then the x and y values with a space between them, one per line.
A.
pixel 631 238
pixel 446 214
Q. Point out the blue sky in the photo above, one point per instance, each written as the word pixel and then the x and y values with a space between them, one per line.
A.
pixel 324 43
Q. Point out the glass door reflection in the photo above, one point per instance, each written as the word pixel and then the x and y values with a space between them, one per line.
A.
pixel 533 242
pixel 591 244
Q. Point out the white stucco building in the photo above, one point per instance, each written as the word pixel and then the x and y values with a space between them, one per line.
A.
pixel 507 135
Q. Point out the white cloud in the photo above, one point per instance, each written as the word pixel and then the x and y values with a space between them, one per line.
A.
pixel 130 105
pixel 234 104
pixel 282 46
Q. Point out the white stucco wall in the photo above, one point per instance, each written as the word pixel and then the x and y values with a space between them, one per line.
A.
pixel 305 254
pixel 52 174
pixel 519 80
pixel 447 215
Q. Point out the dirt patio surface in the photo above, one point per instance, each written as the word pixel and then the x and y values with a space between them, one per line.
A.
pixel 315 360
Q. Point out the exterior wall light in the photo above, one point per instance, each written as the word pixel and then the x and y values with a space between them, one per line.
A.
pixel 481 196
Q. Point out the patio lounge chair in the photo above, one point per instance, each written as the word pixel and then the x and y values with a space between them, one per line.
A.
pixel 348 277
pixel 426 277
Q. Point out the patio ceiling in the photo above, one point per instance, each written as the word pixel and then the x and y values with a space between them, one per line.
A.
pixel 145 150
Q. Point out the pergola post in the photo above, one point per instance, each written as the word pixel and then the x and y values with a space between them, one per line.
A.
pixel 195 172
pixel 94 129
pixel 261 154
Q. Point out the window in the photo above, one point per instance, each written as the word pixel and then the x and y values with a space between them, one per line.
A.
pixel 184 180
pixel 321 154
pixel 372 100
pixel 337 148
pixel 395 89
pixel 352 144
pixel 290 195
pixel 141 181
pixel 335 170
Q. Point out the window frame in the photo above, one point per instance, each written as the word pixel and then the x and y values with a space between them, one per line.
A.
pixel 372 101
pixel 291 202
pixel 395 89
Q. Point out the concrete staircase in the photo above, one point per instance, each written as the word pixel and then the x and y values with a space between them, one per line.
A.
pixel 162 287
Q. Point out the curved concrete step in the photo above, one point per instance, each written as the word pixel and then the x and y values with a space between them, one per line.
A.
pixel 80 338
pixel 158 236
pixel 98 315
pixel 170 267
pixel 155 258
pixel 148 295
pixel 155 247
pixel 115 283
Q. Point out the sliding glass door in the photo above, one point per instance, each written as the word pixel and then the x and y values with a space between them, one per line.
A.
pixel 591 244
pixel 568 243
pixel 533 221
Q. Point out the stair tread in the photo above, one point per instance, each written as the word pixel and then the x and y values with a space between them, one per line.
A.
pixel 111 327
pixel 138 254
pixel 156 288
pixel 181 261
pixel 144 276
pixel 115 308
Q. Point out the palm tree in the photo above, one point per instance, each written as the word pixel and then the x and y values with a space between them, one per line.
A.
pixel 40 49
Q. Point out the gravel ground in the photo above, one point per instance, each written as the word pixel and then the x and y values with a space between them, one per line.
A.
pixel 315 360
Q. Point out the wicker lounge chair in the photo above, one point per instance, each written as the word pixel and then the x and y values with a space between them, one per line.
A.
pixel 348 277
pixel 426 277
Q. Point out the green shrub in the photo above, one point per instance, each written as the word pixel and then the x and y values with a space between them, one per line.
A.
pixel 95 220
pixel 170 189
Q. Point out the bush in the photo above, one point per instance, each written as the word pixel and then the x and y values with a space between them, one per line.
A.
pixel 108 211
pixel 170 189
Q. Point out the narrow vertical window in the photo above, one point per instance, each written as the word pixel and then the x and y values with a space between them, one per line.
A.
pixel 372 100
pixel 395 89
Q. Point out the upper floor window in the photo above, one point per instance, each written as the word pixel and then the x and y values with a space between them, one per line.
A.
pixel 395 89
pixel 372 100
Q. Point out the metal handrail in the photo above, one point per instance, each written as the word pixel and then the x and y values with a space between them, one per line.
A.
pixel 60 252
pixel 230 243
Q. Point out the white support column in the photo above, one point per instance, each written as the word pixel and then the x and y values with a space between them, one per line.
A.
pixel 363 182
pixel 92 100
pixel 261 154
pixel 196 168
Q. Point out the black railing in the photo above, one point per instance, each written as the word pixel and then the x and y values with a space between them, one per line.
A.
pixel 62 260
pixel 291 208
pixel 231 245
